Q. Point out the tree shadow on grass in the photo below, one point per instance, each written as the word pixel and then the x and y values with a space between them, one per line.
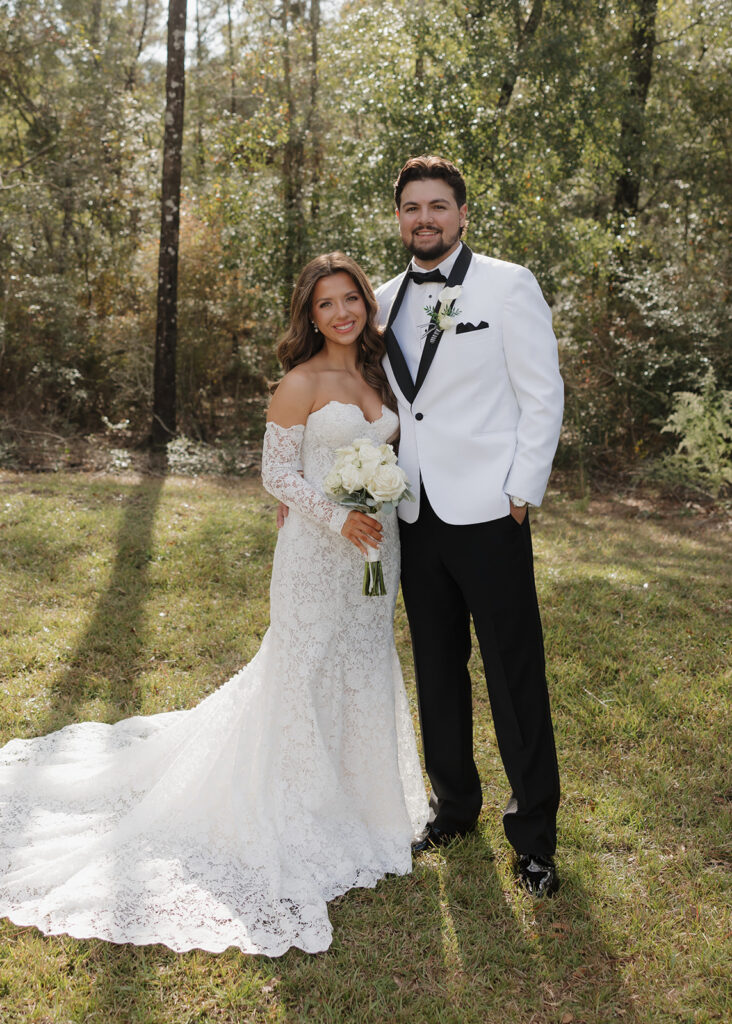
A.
pixel 107 657
pixel 547 958
pixel 449 945
pixel 668 546
pixel 107 660
pixel 537 960
pixel 454 942
pixel 386 962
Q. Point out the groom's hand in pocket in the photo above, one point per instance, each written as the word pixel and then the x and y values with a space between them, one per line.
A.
pixel 519 513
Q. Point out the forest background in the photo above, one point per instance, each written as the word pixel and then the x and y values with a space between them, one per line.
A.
pixel 595 139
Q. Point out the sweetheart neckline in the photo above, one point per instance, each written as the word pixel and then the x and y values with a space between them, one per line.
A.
pixel 353 405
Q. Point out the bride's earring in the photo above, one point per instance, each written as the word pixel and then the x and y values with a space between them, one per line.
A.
pixel 314 326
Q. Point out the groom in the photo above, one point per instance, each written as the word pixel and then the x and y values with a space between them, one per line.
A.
pixel 480 400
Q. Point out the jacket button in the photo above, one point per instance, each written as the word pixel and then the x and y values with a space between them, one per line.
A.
pixel 419 416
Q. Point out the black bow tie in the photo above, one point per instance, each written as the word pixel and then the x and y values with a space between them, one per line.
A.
pixel 429 275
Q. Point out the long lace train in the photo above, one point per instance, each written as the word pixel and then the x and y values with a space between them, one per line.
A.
pixel 233 823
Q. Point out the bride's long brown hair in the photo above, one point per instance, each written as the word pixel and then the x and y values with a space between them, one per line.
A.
pixel 300 341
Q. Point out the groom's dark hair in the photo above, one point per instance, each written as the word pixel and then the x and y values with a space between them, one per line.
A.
pixel 420 168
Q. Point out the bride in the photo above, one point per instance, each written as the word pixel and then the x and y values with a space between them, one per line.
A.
pixel 233 823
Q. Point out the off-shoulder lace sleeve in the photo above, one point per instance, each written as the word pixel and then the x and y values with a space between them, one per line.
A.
pixel 281 462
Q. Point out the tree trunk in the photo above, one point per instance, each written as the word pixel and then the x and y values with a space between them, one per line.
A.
pixel 292 160
pixel 95 25
pixel 164 391
pixel 419 45
pixel 524 34
pixel 232 61
pixel 198 92
pixel 632 125
pixel 314 125
pixel 132 70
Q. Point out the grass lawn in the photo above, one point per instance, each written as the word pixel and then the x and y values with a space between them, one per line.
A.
pixel 129 595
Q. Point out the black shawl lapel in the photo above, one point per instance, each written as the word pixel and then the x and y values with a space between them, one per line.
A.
pixel 457 276
pixel 396 356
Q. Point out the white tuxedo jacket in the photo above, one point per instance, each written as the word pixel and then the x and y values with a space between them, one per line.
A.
pixel 483 420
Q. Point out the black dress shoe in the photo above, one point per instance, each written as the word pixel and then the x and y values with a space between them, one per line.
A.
pixel 434 837
pixel 537 874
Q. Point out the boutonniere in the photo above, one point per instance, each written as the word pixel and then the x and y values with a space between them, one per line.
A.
pixel 446 316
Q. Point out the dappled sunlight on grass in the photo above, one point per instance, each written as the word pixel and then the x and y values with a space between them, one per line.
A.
pixel 127 595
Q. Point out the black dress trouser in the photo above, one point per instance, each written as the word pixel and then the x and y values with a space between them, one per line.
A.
pixel 485 570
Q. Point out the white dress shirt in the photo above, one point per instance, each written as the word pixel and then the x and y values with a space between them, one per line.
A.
pixel 411 323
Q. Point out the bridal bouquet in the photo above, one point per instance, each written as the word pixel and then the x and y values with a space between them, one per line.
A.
pixel 365 477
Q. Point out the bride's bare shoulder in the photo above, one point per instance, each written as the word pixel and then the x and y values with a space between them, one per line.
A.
pixel 293 400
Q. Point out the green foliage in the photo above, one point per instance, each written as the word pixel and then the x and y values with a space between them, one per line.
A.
pixel 298 120
pixel 77 157
pixel 703 422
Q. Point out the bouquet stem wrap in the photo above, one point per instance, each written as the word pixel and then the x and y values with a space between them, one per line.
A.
pixel 373 572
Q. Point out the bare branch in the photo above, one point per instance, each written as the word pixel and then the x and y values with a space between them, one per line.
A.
pixel 525 33
pixel 130 82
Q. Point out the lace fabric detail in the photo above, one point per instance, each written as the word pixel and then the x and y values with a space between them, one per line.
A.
pixel 233 823
pixel 281 463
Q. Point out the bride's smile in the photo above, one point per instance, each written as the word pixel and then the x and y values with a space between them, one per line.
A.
pixel 339 311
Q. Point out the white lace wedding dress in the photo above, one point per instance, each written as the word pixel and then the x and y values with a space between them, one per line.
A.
pixel 232 824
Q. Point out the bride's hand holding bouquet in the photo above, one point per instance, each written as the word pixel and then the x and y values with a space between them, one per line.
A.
pixel 365 478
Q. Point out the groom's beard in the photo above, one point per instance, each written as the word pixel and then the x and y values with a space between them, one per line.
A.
pixel 431 250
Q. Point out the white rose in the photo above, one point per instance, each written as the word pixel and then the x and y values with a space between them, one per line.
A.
pixel 388 483
pixel 344 455
pixel 388 455
pixel 352 478
pixel 332 483
pixel 446 320
pixel 369 461
pixel 448 295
